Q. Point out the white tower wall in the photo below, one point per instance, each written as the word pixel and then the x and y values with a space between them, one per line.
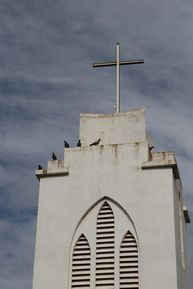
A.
pixel 146 186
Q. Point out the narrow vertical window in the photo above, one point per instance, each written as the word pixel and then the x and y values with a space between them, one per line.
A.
pixel 129 273
pixel 81 264
pixel 105 248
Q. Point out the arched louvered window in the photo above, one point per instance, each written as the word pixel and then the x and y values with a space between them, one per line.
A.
pixel 129 273
pixel 81 264
pixel 105 248
pixel 107 258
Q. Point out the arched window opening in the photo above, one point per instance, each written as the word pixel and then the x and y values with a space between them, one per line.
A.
pixel 105 247
pixel 128 262
pixel 81 260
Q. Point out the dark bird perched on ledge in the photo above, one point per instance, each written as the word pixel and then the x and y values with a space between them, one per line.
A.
pixel 95 143
pixel 54 157
pixel 79 143
pixel 66 145
pixel 150 148
pixel 40 167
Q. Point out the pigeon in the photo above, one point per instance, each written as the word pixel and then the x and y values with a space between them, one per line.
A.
pixel 150 148
pixel 54 157
pixel 66 145
pixel 95 143
pixel 79 143
pixel 40 167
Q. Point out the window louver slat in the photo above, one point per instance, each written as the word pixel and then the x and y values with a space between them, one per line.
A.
pixel 129 275
pixel 81 264
pixel 105 248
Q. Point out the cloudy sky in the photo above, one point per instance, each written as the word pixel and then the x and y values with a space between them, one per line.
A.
pixel 46 79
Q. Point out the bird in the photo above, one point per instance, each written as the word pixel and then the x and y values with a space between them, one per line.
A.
pixel 79 143
pixel 66 145
pixel 40 167
pixel 54 157
pixel 95 143
pixel 150 148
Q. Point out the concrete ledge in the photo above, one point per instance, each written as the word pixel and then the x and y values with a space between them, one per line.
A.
pixel 131 113
pixel 55 169
pixel 46 174
pixel 101 146
pixel 162 160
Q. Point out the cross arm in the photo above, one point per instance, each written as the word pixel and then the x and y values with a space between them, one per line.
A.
pixel 127 62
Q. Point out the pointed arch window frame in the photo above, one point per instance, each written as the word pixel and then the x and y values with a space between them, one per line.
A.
pixel 92 212
pixel 81 267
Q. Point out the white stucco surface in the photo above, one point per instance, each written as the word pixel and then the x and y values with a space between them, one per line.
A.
pixel 123 170
pixel 118 128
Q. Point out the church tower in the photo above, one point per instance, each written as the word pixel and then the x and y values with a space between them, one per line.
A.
pixel 111 215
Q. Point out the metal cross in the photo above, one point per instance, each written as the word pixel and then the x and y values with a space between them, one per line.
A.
pixel 117 64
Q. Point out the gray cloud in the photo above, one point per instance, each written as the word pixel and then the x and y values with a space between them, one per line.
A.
pixel 17 243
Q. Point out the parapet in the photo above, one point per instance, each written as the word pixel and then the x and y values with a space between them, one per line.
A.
pixel 116 128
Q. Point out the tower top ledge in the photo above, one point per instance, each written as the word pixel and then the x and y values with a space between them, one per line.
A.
pixel 131 113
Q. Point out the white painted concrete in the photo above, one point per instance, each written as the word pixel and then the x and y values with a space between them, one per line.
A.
pixel 121 128
pixel 122 170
